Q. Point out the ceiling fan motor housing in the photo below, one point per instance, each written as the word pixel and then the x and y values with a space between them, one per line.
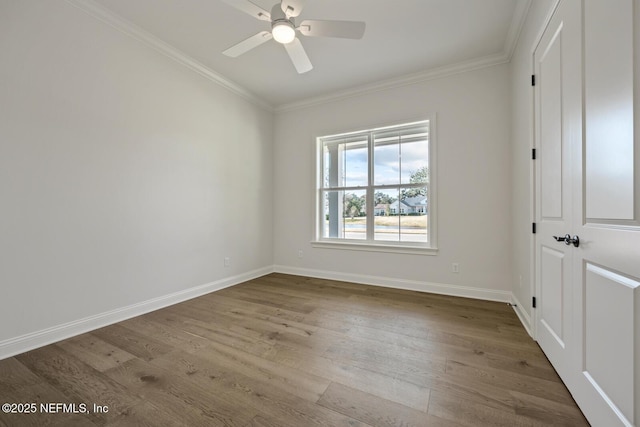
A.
pixel 283 29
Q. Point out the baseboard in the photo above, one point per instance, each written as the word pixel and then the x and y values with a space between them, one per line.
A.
pixel 524 317
pixel 411 285
pixel 37 339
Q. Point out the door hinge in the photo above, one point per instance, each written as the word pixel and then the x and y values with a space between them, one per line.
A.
pixel 533 227
pixel 533 79
pixel 533 302
pixel 533 154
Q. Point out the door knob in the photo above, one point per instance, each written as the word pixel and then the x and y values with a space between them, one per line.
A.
pixel 568 240
pixel 575 240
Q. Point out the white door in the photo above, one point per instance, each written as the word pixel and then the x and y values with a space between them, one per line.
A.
pixel 558 96
pixel 588 317
pixel 606 267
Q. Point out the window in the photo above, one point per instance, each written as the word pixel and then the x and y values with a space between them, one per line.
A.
pixel 376 188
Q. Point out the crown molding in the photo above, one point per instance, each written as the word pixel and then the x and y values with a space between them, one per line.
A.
pixel 99 12
pixel 515 28
pixel 432 74
pixel 517 23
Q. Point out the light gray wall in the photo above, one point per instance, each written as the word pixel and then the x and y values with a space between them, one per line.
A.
pixel 122 173
pixel 521 68
pixel 474 194
pixel 117 166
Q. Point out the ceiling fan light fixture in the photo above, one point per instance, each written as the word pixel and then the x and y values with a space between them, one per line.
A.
pixel 283 32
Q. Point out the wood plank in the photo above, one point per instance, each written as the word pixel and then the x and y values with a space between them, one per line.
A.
pixel 306 385
pixel 165 333
pixel 370 409
pixel 484 393
pixel 79 382
pixel 301 305
pixel 132 342
pixel 528 362
pixel 15 375
pixel 473 414
pixel 250 393
pixel 530 365
pixel 286 350
pixel 173 390
pixel 344 372
pixel 95 352
pixel 553 390
pixel 548 411
pixel 480 344
pixel 231 335
pixel 149 414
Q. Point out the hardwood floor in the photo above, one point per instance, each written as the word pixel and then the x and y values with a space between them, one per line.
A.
pixel 293 351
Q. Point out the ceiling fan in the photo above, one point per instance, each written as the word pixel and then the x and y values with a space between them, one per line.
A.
pixel 284 28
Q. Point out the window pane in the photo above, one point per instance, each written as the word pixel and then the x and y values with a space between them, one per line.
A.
pixel 345 164
pixel 414 163
pixel 386 155
pixel 386 211
pixel 345 215
pixel 354 157
pixel 414 214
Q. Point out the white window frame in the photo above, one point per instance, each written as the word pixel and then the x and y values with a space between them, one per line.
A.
pixel 428 248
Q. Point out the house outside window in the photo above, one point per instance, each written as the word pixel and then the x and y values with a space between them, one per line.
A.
pixel 376 188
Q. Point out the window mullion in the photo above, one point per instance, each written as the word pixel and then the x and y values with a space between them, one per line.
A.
pixel 370 201
pixel 399 159
pixel 391 186
pixel 345 188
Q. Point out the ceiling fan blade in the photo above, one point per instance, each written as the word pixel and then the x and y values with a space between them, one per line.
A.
pixel 342 29
pixel 292 8
pixel 247 7
pixel 298 56
pixel 248 44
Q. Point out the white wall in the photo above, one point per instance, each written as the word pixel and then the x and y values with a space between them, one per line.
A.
pixel 521 142
pixel 117 166
pixel 124 176
pixel 474 194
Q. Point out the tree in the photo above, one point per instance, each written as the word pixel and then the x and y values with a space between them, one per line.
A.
pixel 421 176
pixel 354 205
pixel 382 199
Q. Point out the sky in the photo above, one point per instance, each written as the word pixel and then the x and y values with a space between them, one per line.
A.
pixel 388 164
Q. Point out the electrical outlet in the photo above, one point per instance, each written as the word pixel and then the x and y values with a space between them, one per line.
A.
pixel 455 267
pixel 227 261
pixel 300 253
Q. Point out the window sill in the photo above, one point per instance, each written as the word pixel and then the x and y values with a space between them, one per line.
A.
pixel 376 247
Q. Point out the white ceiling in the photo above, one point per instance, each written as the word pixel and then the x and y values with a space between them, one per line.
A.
pixel 402 38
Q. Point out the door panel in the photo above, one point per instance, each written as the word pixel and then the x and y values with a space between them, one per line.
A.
pixel 609 316
pixel 550 69
pixel 558 95
pixel 608 97
pixel 553 284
